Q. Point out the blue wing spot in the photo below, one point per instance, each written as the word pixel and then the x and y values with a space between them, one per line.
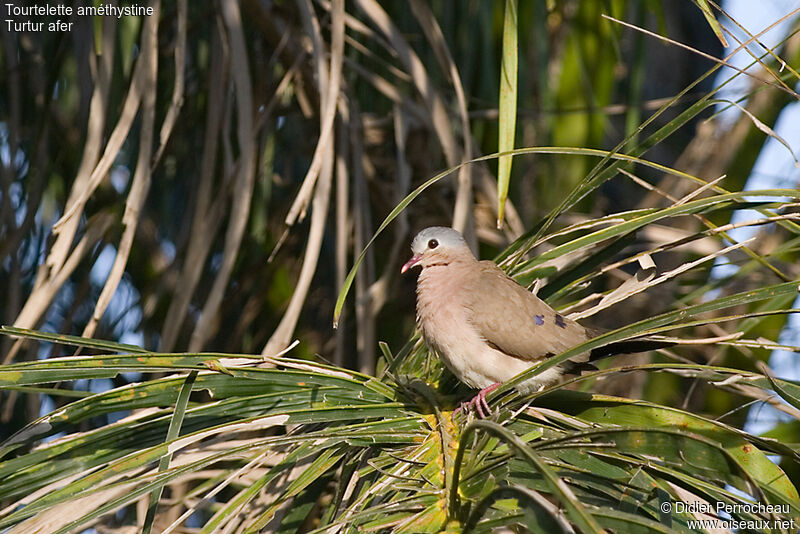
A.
pixel 560 321
pixel 539 319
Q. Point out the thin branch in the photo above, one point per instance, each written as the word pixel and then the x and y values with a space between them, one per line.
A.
pixel 177 91
pixel 240 207
pixel 143 173
pixel 780 83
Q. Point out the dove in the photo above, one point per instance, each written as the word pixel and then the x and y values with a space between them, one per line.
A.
pixel 486 327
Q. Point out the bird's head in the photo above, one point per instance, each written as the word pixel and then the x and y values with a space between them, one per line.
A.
pixel 437 245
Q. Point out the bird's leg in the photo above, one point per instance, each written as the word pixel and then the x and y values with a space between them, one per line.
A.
pixel 479 402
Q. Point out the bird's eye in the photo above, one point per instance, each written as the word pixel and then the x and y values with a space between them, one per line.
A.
pixel 433 243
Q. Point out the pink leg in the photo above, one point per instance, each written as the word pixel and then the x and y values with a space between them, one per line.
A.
pixel 478 402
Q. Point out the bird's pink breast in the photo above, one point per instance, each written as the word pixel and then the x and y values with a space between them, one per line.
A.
pixel 447 327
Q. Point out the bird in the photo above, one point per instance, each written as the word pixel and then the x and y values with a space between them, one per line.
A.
pixel 486 327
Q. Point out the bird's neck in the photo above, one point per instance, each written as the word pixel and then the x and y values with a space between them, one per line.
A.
pixel 440 281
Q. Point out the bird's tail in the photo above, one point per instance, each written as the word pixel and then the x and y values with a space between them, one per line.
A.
pixel 629 346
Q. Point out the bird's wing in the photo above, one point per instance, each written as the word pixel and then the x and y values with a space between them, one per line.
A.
pixel 515 321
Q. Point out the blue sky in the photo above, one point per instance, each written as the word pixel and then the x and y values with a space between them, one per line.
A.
pixel 776 165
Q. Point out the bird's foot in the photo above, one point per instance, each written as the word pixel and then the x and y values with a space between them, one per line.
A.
pixel 478 402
